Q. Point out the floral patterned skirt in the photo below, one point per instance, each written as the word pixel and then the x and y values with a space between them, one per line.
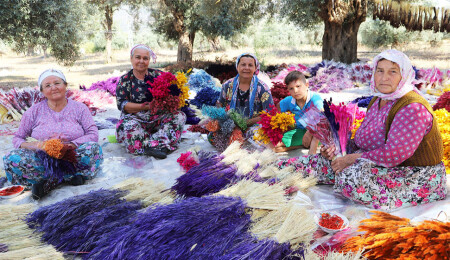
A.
pixel 23 167
pixel 375 186
pixel 142 130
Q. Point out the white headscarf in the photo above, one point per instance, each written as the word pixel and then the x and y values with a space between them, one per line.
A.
pixel 51 72
pixel 406 70
pixel 144 47
pixel 251 55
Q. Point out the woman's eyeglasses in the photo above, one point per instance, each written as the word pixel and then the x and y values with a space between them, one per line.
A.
pixel 56 84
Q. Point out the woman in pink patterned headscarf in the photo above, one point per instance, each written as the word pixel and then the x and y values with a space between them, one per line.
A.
pixel 399 150
pixel 406 75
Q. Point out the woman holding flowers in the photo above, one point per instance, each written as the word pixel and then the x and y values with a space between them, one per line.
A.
pixel 59 119
pixel 398 147
pixel 246 94
pixel 142 128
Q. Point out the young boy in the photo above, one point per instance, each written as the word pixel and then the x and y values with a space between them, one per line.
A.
pixel 300 99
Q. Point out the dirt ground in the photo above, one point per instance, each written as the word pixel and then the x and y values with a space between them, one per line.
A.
pixel 20 71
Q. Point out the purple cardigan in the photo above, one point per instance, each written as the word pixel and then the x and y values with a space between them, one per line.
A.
pixel 74 123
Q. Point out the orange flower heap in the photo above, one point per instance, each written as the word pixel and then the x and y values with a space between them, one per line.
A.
pixel 212 126
pixel 391 237
pixel 53 148
pixel 236 135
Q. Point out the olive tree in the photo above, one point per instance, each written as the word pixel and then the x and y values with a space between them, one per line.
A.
pixel 342 20
pixel 180 20
pixel 52 24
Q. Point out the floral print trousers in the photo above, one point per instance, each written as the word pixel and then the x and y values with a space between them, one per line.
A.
pixel 375 186
pixel 23 167
pixel 143 130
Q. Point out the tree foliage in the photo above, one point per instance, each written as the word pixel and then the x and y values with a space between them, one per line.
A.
pixel 377 33
pixel 180 20
pixel 108 7
pixel 302 13
pixel 342 19
pixel 52 24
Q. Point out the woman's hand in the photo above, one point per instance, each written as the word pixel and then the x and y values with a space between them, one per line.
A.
pixel 72 145
pixel 145 106
pixel 341 163
pixel 35 145
pixel 136 107
pixel 253 121
pixel 328 152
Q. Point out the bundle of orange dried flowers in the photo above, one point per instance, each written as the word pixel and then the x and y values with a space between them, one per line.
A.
pixel 236 135
pixel 392 237
pixel 57 149
pixel 212 126
pixel 53 147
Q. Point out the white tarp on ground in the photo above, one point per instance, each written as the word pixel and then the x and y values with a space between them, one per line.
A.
pixel 118 165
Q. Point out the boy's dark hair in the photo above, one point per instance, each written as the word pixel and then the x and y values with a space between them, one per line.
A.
pixel 293 76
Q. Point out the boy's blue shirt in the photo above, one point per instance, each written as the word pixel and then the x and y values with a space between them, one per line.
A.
pixel 290 104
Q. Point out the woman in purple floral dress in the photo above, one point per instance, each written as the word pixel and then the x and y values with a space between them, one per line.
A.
pixel 54 117
pixel 398 148
pixel 144 133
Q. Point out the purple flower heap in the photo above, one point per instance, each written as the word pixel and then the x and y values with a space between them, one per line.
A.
pixel 282 74
pixel 101 225
pixel 208 177
pixel 14 102
pixel 108 85
pixel 76 224
pixel 329 76
pixel 429 78
pixel 360 72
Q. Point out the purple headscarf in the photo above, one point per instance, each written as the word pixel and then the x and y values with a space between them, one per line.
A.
pixel 406 70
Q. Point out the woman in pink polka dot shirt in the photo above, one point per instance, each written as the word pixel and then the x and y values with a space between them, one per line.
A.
pixel 54 117
pixel 398 148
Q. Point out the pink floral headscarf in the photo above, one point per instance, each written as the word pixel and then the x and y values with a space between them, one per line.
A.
pixel 408 74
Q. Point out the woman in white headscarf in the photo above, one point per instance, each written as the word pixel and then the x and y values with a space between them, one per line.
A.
pixel 54 117
pixel 399 150
pixel 246 93
pixel 142 132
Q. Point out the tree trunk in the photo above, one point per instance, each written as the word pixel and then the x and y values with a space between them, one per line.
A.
pixel 184 48
pixel 44 50
pixel 30 50
pixel 186 38
pixel 342 20
pixel 340 42
pixel 215 43
pixel 108 33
